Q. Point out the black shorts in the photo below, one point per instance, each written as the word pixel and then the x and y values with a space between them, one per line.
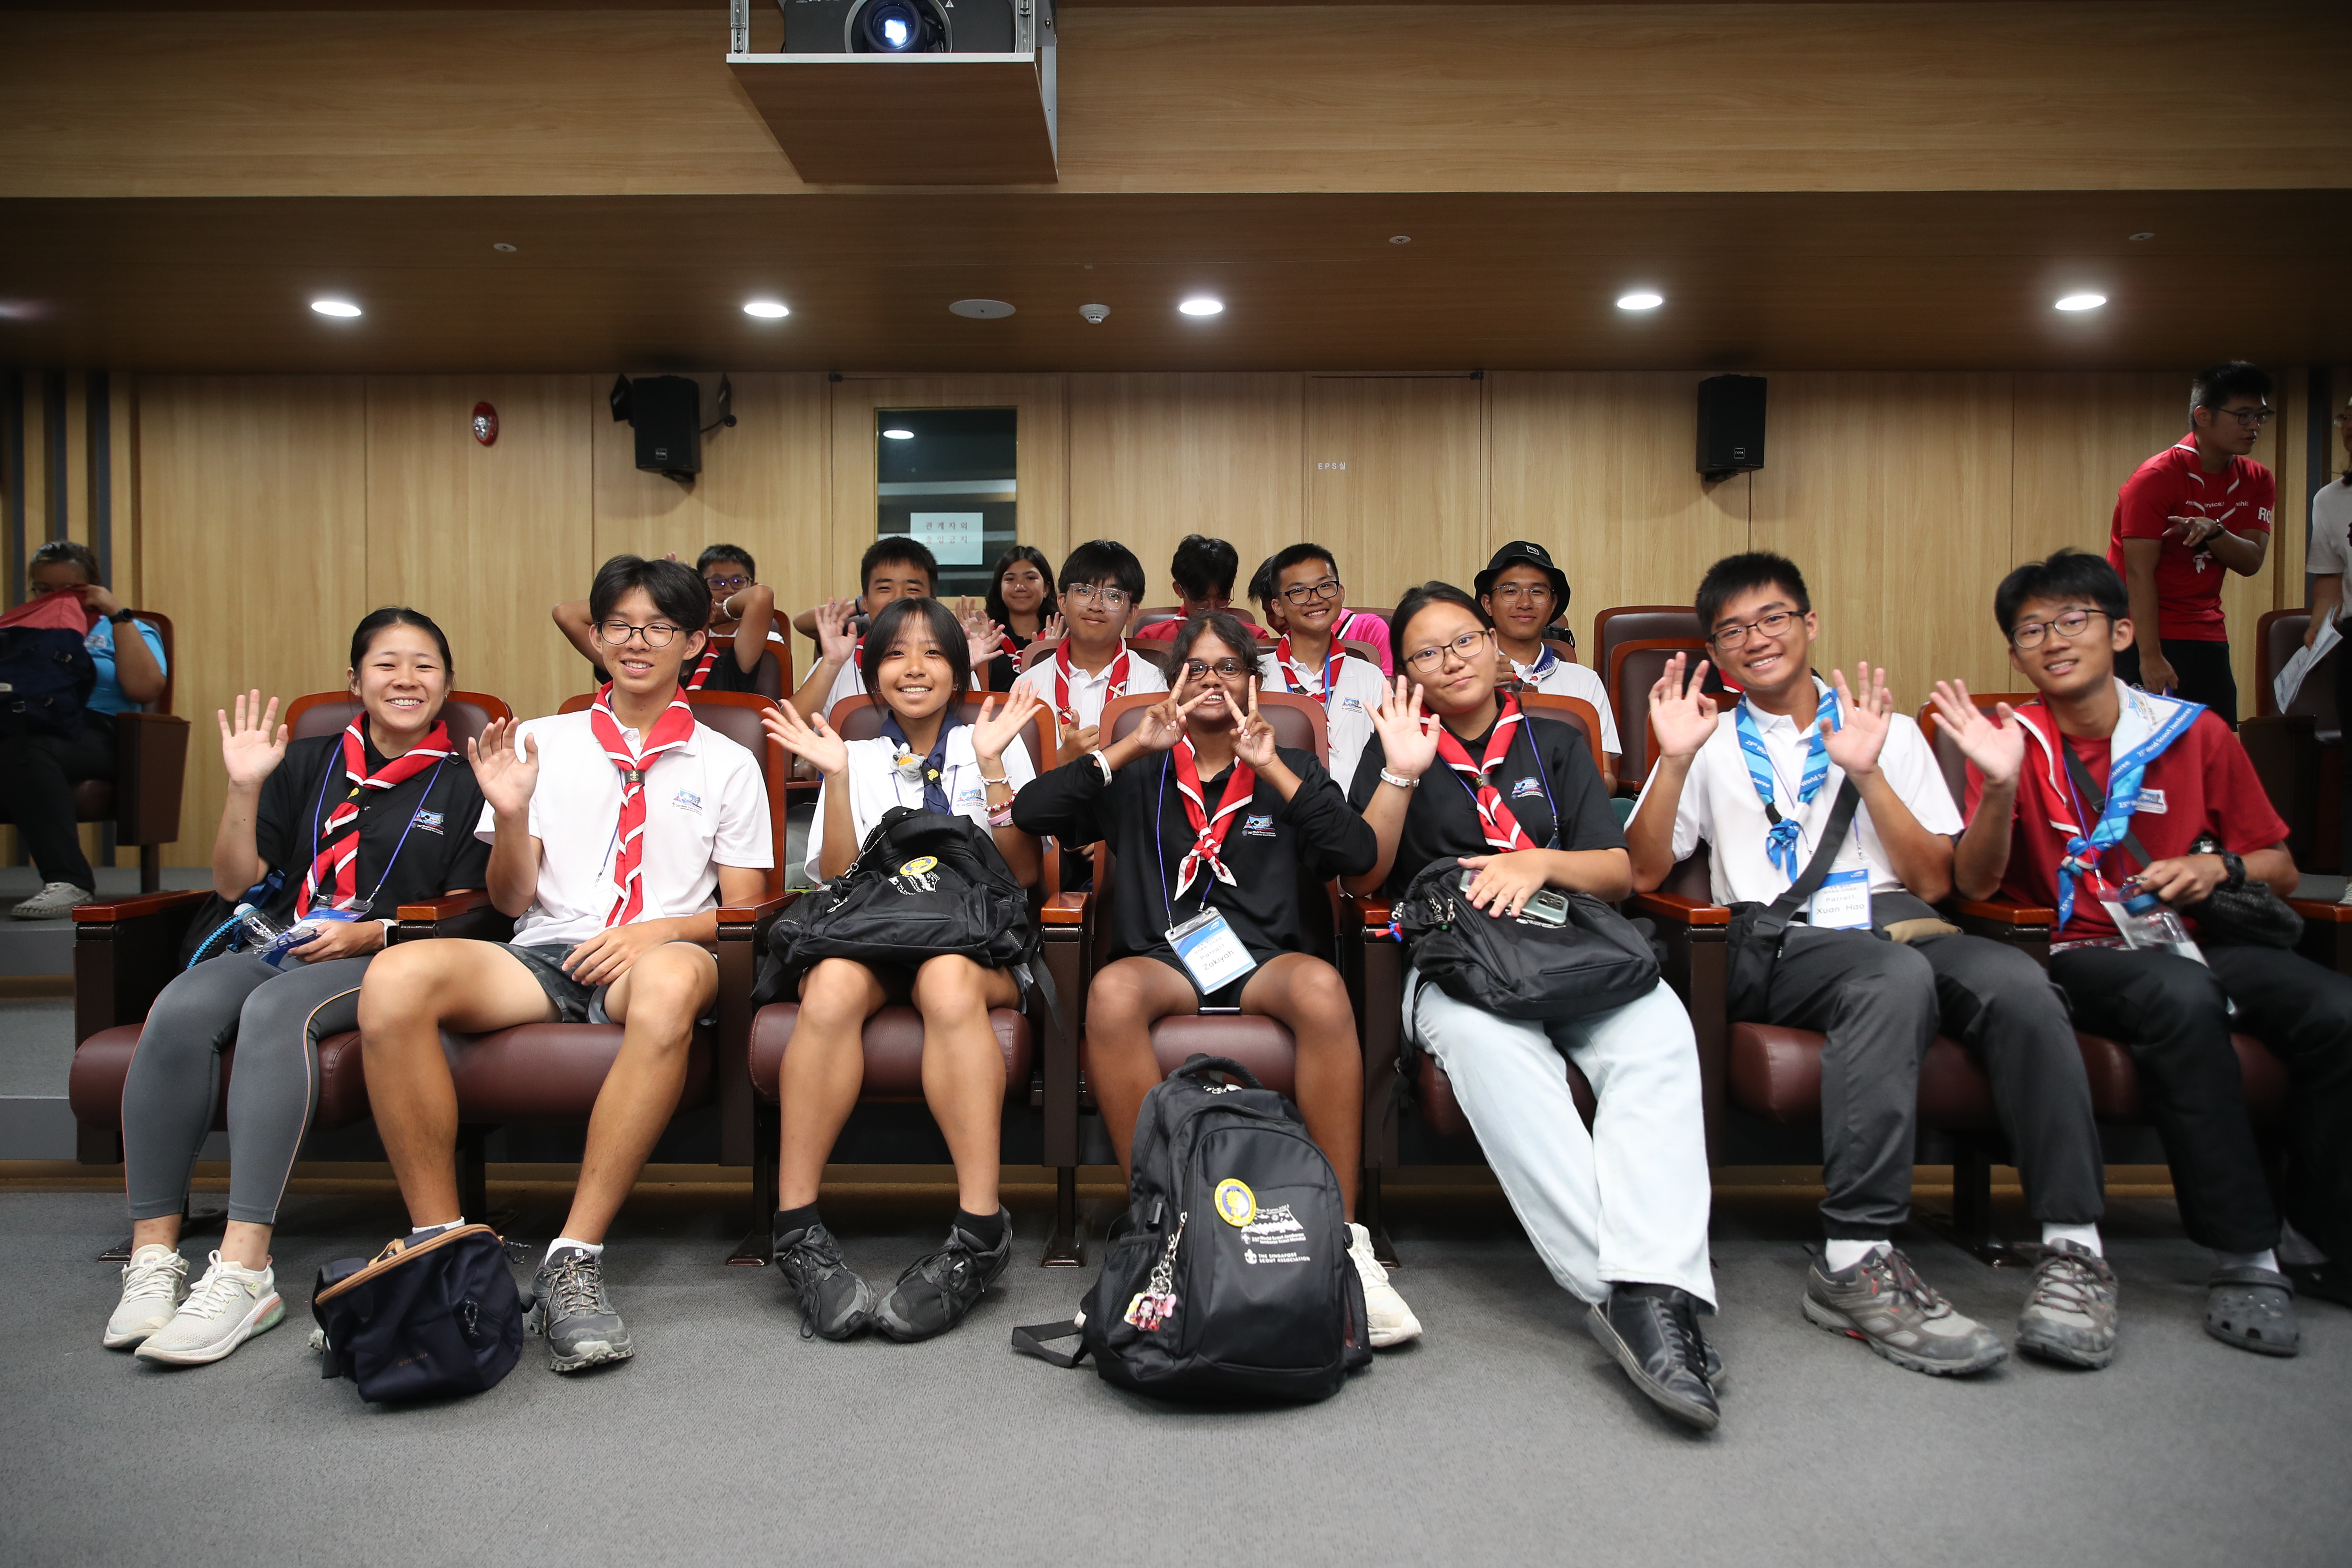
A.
pixel 574 1002
pixel 1228 995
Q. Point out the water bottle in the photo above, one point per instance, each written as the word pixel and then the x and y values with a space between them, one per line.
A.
pixel 260 931
pixel 2147 922
pixel 270 942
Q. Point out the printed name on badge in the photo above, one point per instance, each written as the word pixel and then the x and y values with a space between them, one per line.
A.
pixel 687 800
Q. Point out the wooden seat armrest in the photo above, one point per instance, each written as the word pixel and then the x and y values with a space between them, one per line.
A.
pixel 1064 910
pixel 1377 912
pixel 1681 910
pixel 2000 912
pixel 447 906
pixel 752 914
pixel 116 911
pixel 2321 910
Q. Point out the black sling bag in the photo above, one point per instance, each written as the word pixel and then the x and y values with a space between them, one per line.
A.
pixel 1752 945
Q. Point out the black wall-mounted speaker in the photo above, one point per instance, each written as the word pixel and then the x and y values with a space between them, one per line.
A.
pixel 1730 425
pixel 667 413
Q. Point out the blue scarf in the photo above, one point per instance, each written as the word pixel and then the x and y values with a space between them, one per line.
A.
pixel 1780 844
pixel 931 769
pixel 2125 770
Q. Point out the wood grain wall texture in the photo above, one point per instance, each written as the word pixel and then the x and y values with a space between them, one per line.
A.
pixel 271 512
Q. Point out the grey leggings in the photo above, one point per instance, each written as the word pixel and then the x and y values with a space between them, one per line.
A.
pixel 276 1020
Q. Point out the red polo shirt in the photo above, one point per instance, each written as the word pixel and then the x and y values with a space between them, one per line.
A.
pixel 2174 483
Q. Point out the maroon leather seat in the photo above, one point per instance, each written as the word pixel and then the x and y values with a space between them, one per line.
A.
pixel 2114 1081
pixel 894 1050
pixel 1776 1073
pixel 101 1063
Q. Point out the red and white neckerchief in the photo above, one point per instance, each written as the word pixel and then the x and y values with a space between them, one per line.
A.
pixel 335 869
pixel 1118 686
pixel 702 671
pixel 672 730
pixel 1290 680
pixel 1209 832
pixel 1495 819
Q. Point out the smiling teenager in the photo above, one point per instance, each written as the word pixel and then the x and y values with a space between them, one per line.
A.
pixel 1213 826
pixel 926 758
pixel 1307 658
pixel 1455 774
pixel 741 606
pixel 349 825
pixel 615 834
pixel 1021 600
pixel 1799 759
pixel 1101 582
pixel 1525 592
pixel 894 567
pixel 2098 792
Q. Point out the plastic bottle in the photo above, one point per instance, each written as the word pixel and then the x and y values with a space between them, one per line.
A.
pixel 2147 922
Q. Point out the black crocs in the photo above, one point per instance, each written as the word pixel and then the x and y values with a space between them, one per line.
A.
pixel 2252 1309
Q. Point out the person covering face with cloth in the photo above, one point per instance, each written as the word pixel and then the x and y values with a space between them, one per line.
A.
pixel 1307 658
pixel 338 830
pixel 1213 829
pixel 926 757
pixel 2098 794
pixel 615 833
pixel 1456 774
pixel 1799 763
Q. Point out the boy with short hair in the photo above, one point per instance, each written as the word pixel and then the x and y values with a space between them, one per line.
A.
pixel 1308 658
pixel 1203 576
pixel 2098 792
pixel 615 834
pixel 1525 592
pixel 894 566
pixel 1101 584
pixel 741 606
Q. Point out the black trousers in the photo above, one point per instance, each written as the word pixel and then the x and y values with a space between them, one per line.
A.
pixel 38 774
pixel 1881 1004
pixel 2342 658
pixel 2171 1013
pixel 2203 668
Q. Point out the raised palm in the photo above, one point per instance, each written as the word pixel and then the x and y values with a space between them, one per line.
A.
pixel 983 638
pixel 1408 736
pixel 505 774
pixel 996 728
pixel 1682 715
pixel 1863 720
pixel 834 639
pixel 812 739
pixel 1995 741
pixel 253 744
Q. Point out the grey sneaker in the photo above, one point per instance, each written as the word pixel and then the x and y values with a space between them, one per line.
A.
pixel 55 901
pixel 2071 1306
pixel 229 1306
pixel 835 1302
pixel 941 1288
pixel 2254 1309
pixel 155 1283
pixel 1883 1303
pixel 572 1310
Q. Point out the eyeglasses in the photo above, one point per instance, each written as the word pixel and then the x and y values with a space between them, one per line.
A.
pixel 1522 593
pixel 2250 419
pixel 1095 593
pixel 2068 624
pixel 1310 593
pixel 615 632
pixel 1465 648
pixel 1771 625
pixel 1226 668
pixel 726 585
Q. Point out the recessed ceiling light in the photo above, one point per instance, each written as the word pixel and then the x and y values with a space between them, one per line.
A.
pixel 1639 300
pixel 1201 306
pixel 2082 302
pixel 1400 239
pixel 501 245
pixel 899 435
pixel 767 310
pixel 982 310
pixel 2145 234
pixel 334 306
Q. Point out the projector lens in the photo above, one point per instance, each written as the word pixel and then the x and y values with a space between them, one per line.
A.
pixel 898 27
pixel 894 32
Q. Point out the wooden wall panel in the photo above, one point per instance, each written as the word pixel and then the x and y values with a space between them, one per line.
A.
pixel 253 498
pixel 1394 481
pixel 1156 457
pixel 484 539
pixel 1600 469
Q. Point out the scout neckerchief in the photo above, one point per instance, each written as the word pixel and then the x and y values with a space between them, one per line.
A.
pixel 1208 832
pixel 1117 675
pixel 2146 727
pixel 702 670
pixel 672 730
pixel 932 770
pixel 334 869
pixel 1781 843
pixel 1502 830
pixel 1290 681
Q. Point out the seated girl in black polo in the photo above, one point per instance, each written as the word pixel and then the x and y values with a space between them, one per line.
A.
pixel 916 662
pixel 355 823
pixel 1210 821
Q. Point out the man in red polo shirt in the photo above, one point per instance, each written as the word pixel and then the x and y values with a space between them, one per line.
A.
pixel 2194 508
pixel 2041 832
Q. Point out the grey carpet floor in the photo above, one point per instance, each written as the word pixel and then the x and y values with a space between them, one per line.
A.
pixel 1504 1435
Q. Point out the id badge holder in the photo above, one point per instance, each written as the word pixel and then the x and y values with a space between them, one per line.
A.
pixel 1210 951
pixel 1841 903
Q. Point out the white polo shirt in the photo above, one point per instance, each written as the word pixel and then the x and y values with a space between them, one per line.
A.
pixel 1566 677
pixel 704 809
pixel 876 785
pixel 1356 690
pixel 1089 694
pixel 1719 804
pixel 2331 536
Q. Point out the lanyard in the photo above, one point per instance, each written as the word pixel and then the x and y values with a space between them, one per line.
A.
pixel 320 805
pixel 1543 773
pixel 1331 659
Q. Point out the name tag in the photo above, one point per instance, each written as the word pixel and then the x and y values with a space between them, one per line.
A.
pixel 1841 903
pixel 1210 950
pixel 2150 800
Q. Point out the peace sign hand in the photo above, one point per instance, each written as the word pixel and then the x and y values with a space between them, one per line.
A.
pixel 1408 736
pixel 1854 745
pixel 1682 716
pixel 1254 741
pixel 1996 743
pixel 251 749
pixel 1163 722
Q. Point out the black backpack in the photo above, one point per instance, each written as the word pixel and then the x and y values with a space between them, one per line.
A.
pixel 923 885
pixel 1518 968
pixel 421 1322
pixel 1229 1279
pixel 45 676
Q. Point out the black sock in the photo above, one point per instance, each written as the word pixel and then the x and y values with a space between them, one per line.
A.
pixel 789 1220
pixel 986 1228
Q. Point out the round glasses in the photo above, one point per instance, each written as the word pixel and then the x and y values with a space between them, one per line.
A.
pixel 1732 637
pixel 1312 592
pixel 1225 668
pixel 615 632
pixel 1465 647
pixel 2068 624
pixel 1096 593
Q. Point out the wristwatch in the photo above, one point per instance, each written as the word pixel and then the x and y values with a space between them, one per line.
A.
pixel 2233 869
pixel 121 616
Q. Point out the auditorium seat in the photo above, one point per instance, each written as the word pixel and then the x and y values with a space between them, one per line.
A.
pixel 2301 773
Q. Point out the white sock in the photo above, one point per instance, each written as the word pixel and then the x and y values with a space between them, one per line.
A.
pixel 592 1248
pixel 2265 1258
pixel 2295 1248
pixel 422 1231
pixel 2086 1237
pixel 1838 1257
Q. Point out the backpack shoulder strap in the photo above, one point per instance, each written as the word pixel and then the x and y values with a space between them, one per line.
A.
pixel 1029 1339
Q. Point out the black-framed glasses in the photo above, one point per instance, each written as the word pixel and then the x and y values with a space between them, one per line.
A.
pixel 1465 649
pixel 2067 624
pixel 2250 419
pixel 1312 592
pixel 1522 593
pixel 1224 668
pixel 1096 593
pixel 1772 624
pixel 614 632
pixel 726 585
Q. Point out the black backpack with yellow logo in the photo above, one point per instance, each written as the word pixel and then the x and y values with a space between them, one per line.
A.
pixel 1229 1279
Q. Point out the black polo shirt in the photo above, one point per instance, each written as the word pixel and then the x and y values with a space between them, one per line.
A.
pixel 1441 823
pixel 442 855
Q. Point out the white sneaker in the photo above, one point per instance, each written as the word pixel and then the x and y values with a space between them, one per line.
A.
pixel 54 902
pixel 1392 1322
pixel 155 1283
pixel 230 1305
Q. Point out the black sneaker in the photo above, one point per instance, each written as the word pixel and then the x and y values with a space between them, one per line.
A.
pixel 1654 1333
pixel 835 1302
pixel 572 1312
pixel 936 1291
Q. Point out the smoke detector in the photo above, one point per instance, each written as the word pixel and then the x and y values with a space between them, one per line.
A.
pixel 1094 313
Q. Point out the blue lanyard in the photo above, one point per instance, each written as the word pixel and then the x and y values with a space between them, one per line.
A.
pixel 318 806
pixel 1781 842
